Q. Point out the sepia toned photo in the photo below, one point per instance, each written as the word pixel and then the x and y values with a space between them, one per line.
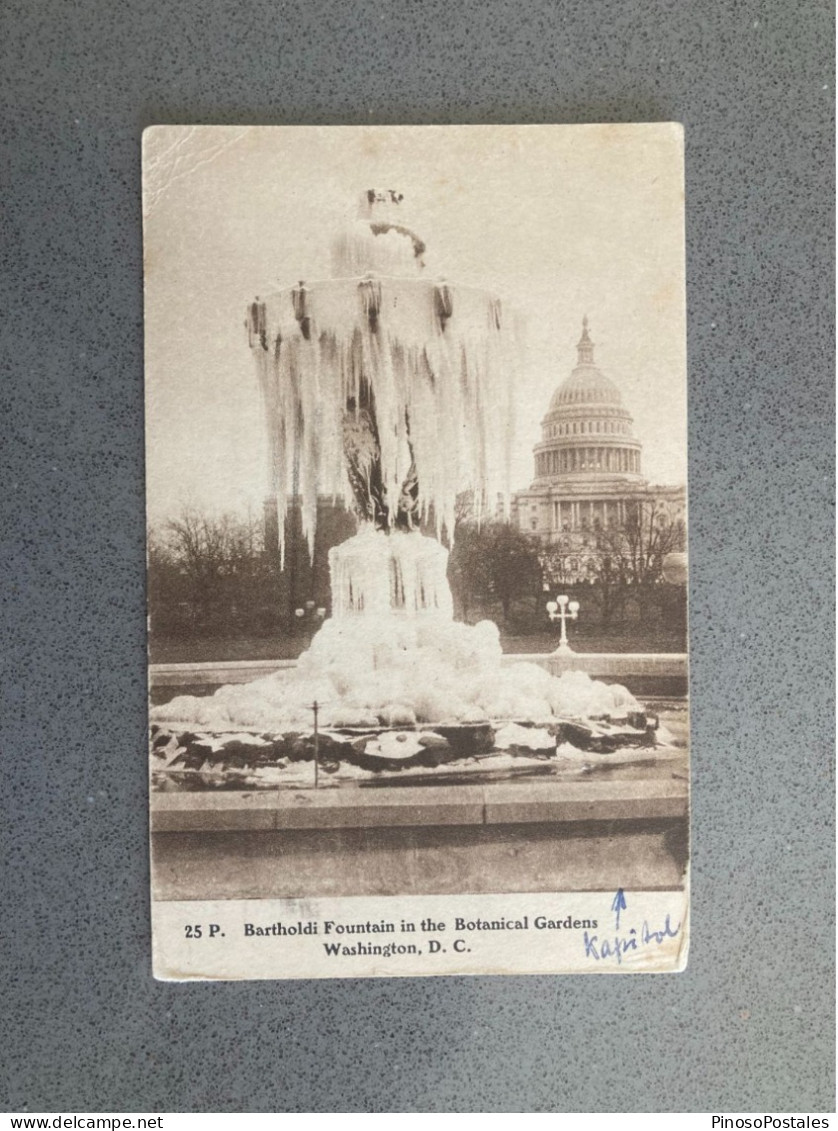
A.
pixel 417 534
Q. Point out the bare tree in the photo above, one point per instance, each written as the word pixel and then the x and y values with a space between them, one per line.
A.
pixel 212 573
pixel 630 558
pixel 634 554
pixel 201 560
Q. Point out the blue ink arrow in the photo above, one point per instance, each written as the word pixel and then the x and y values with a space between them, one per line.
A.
pixel 619 905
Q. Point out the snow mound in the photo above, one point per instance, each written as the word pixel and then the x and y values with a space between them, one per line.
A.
pixel 400 671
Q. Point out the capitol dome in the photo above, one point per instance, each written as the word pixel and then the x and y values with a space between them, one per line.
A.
pixel 587 429
pixel 587 385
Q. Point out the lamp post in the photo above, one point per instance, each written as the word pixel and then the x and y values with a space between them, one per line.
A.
pixel 316 709
pixel 563 609
pixel 674 569
pixel 312 617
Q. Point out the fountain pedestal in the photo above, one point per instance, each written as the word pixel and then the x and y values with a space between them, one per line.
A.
pixel 380 574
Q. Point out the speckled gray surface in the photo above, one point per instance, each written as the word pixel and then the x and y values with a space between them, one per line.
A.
pixel 749 1025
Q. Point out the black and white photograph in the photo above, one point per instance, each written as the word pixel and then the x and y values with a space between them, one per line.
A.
pixel 416 470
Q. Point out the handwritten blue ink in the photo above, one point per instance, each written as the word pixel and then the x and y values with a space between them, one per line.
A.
pixel 658 936
pixel 618 946
pixel 619 905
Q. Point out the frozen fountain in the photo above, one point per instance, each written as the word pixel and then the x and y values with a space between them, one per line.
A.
pixel 386 386
pixel 389 385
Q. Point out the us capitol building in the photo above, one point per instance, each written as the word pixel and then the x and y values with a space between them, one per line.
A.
pixel 588 475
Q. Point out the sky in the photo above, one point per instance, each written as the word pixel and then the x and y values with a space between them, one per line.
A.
pixel 560 221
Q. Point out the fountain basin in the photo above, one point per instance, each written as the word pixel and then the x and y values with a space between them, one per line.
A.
pixel 184 759
pixel 588 835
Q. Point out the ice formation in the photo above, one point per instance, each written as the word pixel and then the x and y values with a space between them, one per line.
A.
pixel 384 381
pixel 377 573
pixel 402 386
pixel 398 672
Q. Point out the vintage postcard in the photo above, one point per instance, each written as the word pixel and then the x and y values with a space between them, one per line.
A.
pixel 417 521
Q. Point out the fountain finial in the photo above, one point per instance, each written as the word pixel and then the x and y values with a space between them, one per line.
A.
pixel 380 205
pixel 379 241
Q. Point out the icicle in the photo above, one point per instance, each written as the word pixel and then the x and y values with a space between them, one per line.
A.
pixel 436 362
pixel 404 574
pixel 443 304
pixel 371 299
pixel 298 298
